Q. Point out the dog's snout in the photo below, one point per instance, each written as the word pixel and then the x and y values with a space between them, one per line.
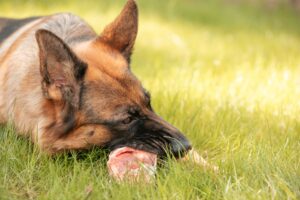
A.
pixel 176 143
pixel 179 145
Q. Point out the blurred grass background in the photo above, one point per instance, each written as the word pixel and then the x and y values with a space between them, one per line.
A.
pixel 226 72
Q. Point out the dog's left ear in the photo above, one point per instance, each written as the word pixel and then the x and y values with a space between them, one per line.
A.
pixel 121 33
pixel 62 72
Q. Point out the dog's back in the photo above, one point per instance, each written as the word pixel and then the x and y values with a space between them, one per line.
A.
pixel 9 26
pixel 70 28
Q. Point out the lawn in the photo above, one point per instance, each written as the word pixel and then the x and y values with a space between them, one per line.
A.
pixel 226 74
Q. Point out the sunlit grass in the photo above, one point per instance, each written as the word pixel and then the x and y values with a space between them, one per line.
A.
pixel 226 75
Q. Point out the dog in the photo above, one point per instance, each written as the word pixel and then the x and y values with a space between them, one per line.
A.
pixel 67 88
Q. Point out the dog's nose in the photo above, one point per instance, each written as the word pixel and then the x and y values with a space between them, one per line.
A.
pixel 174 141
pixel 180 145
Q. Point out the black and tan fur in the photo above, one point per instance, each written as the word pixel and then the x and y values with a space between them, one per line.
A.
pixel 66 87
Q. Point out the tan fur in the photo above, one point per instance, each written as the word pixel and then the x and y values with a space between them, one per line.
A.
pixel 101 56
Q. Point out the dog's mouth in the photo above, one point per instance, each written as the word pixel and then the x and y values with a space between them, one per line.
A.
pixel 147 144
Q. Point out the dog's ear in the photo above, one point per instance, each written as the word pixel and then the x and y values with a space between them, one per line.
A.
pixel 121 33
pixel 62 72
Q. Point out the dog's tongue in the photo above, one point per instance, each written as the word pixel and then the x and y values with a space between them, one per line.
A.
pixel 131 164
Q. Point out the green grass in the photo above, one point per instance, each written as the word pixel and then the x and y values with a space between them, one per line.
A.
pixel 227 75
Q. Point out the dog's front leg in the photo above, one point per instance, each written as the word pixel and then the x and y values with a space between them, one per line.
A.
pixel 85 137
pixel 52 144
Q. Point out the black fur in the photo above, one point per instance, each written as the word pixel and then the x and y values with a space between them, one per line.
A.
pixel 9 26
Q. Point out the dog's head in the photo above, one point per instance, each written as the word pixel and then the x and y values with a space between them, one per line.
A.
pixel 97 99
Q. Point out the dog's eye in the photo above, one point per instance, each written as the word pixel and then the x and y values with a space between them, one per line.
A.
pixel 128 120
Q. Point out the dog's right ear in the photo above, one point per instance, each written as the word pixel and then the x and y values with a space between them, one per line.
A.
pixel 62 72
pixel 122 32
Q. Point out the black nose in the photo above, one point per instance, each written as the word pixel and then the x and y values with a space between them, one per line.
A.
pixel 165 138
pixel 180 146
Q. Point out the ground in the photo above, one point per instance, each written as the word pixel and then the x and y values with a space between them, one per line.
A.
pixel 225 73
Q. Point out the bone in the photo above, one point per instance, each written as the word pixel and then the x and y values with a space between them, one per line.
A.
pixel 131 165
pixel 194 157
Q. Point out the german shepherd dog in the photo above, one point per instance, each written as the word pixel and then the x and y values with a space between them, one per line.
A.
pixel 67 88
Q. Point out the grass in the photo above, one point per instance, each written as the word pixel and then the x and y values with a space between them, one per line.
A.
pixel 228 75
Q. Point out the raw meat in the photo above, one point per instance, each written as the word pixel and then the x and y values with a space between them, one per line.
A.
pixel 132 165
